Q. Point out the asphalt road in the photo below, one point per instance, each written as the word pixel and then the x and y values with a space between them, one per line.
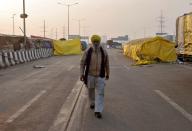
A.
pixel 142 98
pixel 31 98
pixel 137 98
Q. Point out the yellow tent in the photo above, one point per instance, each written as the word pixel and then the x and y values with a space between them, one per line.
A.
pixel 69 47
pixel 150 50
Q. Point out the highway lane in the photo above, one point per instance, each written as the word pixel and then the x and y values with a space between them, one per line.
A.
pixel 148 98
pixel 143 98
pixel 30 98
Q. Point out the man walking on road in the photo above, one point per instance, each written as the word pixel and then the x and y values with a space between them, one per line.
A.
pixel 94 71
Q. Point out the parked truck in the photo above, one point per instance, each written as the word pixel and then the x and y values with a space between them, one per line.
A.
pixel 184 37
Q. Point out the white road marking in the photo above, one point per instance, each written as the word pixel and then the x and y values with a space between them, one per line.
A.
pixel 62 119
pixel 175 105
pixel 70 68
pixel 24 108
pixel 126 67
pixel 76 118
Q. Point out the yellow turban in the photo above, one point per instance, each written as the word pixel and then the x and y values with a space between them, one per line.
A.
pixel 95 39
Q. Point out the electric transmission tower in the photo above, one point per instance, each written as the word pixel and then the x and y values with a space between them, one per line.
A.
pixel 44 29
pixel 161 20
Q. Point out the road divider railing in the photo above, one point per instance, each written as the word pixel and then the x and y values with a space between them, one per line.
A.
pixel 11 58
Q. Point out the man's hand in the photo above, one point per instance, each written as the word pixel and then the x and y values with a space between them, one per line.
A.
pixel 107 77
pixel 82 78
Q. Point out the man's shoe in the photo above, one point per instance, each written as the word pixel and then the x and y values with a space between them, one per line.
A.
pixel 92 106
pixel 98 115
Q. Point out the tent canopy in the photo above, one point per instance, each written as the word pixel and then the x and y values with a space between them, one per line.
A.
pixel 150 50
pixel 69 47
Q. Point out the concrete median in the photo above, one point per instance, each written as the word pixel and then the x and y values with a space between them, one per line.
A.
pixel 11 58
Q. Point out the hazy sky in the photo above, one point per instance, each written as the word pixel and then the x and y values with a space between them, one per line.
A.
pixel 104 17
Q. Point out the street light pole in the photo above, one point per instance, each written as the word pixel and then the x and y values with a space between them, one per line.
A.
pixel 79 25
pixel 68 6
pixel 24 23
pixel 79 28
pixel 13 17
pixel 68 22
pixel 24 16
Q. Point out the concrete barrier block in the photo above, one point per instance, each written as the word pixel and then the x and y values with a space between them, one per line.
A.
pixel 2 65
pixel 10 58
pixel 5 59
pixel 15 57
pixel 46 52
pixel 36 55
pixel 27 55
pixel 50 52
pixel 41 52
pixel 33 54
pixel 23 55
pixel 19 53
pixel 30 55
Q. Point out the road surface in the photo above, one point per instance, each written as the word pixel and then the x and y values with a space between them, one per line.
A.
pixel 137 98
pixel 141 98
pixel 30 98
